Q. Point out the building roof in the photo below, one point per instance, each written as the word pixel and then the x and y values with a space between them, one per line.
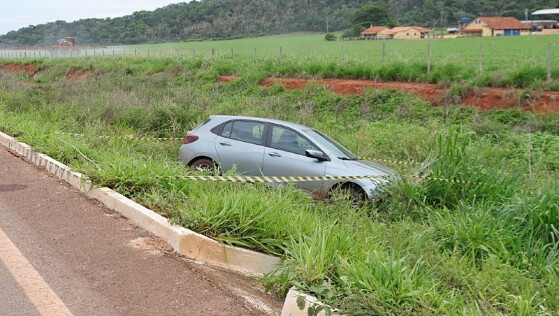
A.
pixel 546 12
pixel 399 29
pixel 502 23
pixel 373 30
pixel 422 29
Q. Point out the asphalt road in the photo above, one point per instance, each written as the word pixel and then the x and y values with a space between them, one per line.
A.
pixel 64 254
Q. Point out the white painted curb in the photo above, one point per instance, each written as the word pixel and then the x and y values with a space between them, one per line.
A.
pixel 290 307
pixel 183 241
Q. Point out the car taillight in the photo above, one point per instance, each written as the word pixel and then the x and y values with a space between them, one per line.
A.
pixel 189 138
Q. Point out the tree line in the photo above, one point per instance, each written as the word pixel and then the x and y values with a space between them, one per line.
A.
pixel 228 19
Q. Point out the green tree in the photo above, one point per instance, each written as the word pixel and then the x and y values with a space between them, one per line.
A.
pixel 372 14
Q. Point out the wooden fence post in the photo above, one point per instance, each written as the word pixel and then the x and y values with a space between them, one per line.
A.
pixel 383 51
pixel 549 62
pixel 428 59
pixel 480 58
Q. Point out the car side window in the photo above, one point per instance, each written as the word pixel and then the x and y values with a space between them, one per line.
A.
pixel 226 132
pixel 245 131
pixel 289 140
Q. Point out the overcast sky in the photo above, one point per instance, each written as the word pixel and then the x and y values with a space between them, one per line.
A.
pixel 15 14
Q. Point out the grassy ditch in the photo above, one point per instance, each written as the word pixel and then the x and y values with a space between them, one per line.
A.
pixel 432 247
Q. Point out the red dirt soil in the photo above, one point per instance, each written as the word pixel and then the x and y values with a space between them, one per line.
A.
pixel 32 68
pixel 29 69
pixel 483 98
pixel 80 75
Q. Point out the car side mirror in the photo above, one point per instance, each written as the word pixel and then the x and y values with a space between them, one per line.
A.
pixel 316 154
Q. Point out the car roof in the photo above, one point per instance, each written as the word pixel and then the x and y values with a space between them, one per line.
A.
pixel 262 119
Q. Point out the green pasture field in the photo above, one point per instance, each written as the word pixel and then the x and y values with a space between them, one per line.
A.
pixel 520 61
pixel 498 53
pixel 430 247
pixel 502 52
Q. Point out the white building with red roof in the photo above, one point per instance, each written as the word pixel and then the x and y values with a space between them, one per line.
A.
pixel 399 32
pixel 495 26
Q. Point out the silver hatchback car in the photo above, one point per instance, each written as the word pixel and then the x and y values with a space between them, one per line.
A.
pixel 259 146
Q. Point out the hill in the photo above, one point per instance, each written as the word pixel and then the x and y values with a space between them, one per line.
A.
pixel 221 19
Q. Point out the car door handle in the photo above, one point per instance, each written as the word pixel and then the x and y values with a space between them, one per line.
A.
pixel 224 144
pixel 274 155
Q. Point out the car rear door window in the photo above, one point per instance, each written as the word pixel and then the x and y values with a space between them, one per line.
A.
pixel 245 131
pixel 226 132
pixel 288 140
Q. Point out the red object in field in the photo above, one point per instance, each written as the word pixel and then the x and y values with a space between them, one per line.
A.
pixel 190 138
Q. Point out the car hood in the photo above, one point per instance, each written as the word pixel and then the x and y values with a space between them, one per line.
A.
pixel 365 167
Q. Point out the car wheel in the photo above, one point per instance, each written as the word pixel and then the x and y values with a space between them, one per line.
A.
pixel 205 164
pixel 355 193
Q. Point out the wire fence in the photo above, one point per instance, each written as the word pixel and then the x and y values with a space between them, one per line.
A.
pixel 483 56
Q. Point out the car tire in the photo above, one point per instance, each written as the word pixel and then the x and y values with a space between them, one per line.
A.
pixel 355 192
pixel 205 164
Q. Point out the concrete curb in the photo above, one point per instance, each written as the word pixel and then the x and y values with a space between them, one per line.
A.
pixel 290 307
pixel 183 241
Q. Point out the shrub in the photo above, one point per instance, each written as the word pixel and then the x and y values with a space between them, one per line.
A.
pixel 330 37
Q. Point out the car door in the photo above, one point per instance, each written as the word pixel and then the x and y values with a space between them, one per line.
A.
pixel 285 156
pixel 240 143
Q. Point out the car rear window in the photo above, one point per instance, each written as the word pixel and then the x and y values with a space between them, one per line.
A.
pixel 205 122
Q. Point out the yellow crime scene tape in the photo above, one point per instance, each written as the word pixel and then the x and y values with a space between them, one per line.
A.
pixel 284 179
pixel 288 179
pixel 395 161
pixel 274 179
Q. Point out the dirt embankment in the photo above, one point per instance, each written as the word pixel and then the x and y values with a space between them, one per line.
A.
pixel 80 74
pixel 482 97
pixel 31 70
pixel 28 69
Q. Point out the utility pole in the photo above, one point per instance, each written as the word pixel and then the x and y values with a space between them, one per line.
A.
pixel 327 29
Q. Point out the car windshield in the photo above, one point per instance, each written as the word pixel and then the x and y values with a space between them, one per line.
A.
pixel 332 146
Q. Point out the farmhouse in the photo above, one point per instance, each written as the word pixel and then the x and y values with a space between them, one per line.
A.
pixel 373 32
pixel 495 26
pixel 408 32
pixel 400 32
